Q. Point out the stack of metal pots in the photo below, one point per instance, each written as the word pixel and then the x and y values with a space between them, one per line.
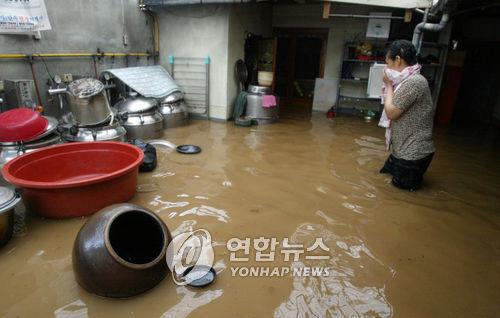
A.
pixel 254 109
pixel 9 199
pixel 174 110
pixel 140 117
pixel 93 117
pixel 10 150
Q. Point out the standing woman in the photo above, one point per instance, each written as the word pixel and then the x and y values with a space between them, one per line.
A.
pixel 408 117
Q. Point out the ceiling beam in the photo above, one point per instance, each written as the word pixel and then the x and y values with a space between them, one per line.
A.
pixel 405 4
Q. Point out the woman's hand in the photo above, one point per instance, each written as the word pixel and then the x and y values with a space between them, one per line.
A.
pixel 387 81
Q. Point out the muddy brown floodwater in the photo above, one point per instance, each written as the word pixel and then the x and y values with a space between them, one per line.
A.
pixel 434 253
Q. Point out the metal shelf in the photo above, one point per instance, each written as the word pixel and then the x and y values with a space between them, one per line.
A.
pixel 352 80
pixel 358 98
pixel 361 61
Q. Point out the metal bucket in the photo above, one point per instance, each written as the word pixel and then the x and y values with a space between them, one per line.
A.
pixel 89 111
pixel 254 109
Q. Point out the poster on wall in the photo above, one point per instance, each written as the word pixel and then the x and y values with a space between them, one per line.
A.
pixel 23 16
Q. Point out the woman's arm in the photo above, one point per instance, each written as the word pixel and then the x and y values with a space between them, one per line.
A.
pixel 392 111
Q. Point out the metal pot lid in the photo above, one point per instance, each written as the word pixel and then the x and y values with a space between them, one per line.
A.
pixel 8 199
pixel 254 89
pixel 167 109
pixel 46 141
pixel 103 133
pixel 85 87
pixel 52 126
pixel 173 98
pixel 136 105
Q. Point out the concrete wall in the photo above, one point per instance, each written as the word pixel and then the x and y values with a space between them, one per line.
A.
pixel 253 18
pixel 79 26
pixel 217 31
pixel 199 31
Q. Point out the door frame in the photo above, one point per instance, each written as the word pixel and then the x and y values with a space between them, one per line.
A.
pixel 293 33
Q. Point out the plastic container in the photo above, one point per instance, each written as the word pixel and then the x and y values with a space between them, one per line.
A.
pixel 265 78
pixel 75 179
pixel 21 124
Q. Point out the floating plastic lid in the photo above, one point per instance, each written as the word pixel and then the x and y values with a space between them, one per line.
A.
pixel 8 198
pixel 85 87
pixel 200 275
pixel 188 149
pixel 21 124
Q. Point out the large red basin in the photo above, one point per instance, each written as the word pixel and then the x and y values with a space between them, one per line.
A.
pixel 75 179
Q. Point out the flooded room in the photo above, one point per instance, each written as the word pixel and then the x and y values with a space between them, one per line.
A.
pixel 249 158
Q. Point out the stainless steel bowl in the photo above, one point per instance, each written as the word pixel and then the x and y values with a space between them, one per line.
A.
pixel 9 199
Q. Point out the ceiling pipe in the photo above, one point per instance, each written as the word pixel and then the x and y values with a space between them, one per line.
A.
pixel 169 3
pixel 448 6
pixel 365 16
pixel 418 35
pixel 431 27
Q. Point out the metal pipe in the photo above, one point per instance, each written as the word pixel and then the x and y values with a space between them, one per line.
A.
pixel 364 16
pixel 57 91
pixel 64 90
pixel 422 12
pixel 95 67
pixel 432 27
pixel 23 56
pixel 170 3
pixel 421 38
pixel 37 90
pixel 207 83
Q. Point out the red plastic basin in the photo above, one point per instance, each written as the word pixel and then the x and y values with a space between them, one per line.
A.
pixel 75 179
pixel 21 124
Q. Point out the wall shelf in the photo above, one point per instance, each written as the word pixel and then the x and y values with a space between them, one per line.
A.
pixel 347 97
pixel 352 80
pixel 361 61
pixel 349 87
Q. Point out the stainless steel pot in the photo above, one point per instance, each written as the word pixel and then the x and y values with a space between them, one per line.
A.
pixel 143 126
pixel 120 251
pixel 9 199
pixel 88 102
pixel 174 110
pixel 108 132
pixel 174 114
pixel 254 109
pixel 9 151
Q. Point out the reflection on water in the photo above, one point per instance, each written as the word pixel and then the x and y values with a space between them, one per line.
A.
pixel 338 294
pixel 204 210
pixel 76 309
pixel 433 253
pixel 191 300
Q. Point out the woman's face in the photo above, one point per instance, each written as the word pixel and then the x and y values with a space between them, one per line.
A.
pixel 397 64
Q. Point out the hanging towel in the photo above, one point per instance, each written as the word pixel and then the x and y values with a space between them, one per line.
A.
pixel 240 105
pixel 268 101
pixel 396 78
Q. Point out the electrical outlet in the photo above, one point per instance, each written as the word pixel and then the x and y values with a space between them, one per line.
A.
pixel 67 78
pixel 1 86
pixel 125 39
